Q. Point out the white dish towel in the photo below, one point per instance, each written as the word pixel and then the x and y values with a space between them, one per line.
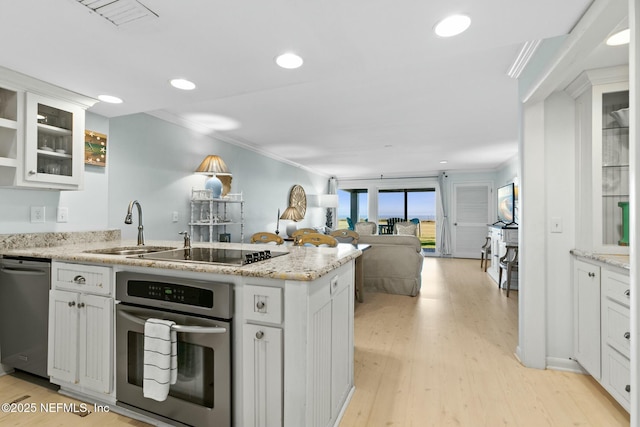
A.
pixel 160 359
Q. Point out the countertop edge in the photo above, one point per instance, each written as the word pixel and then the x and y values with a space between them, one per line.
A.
pixel 302 263
pixel 616 260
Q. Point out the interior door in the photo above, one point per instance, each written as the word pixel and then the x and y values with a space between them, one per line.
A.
pixel 471 214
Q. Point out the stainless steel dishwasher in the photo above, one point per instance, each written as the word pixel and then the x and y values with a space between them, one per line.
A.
pixel 24 313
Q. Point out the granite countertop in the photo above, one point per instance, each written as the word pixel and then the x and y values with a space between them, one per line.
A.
pixel 302 263
pixel 617 260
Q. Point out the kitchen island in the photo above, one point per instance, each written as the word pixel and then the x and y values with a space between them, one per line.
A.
pixel 292 324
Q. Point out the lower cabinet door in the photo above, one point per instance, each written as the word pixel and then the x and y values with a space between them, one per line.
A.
pixel 94 342
pixel 80 337
pixel 63 335
pixel 262 376
pixel 616 376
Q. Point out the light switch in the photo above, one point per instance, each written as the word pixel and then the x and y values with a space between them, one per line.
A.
pixel 62 215
pixel 556 224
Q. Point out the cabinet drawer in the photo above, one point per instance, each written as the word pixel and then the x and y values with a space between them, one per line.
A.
pixel 84 278
pixel 617 376
pixel 263 304
pixel 616 326
pixel 616 287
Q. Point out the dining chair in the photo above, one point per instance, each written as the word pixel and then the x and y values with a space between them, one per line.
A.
pixel 345 236
pixel 299 232
pixel 266 237
pixel 317 239
pixel 509 262
pixel 485 253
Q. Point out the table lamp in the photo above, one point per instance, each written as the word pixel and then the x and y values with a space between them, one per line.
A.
pixel 213 166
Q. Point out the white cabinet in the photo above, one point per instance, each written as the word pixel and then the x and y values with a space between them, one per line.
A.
pixel 602 326
pixel 603 159
pixel 297 350
pixel 586 296
pixel 41 134
pixel 263 375
pixel 501 237
pixel 616 326
pixel 81 327
pixel 262 360
pixel 328 351
pixel 11 112
pixel 216 220
pixel 54 143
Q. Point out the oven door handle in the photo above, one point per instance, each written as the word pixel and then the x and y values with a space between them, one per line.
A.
pixel 188 329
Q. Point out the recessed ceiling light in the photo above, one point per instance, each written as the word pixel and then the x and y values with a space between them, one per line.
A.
pixel 443 162
pixel 452 25
pixel 182 84
pixel 619 38
pixel 110 99
pixel 289 61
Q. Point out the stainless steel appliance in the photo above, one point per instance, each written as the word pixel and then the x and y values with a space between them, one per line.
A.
pixel 202 312
pixel 214 255
pixel 24 311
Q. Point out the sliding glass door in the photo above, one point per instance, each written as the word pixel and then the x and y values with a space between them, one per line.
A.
pixel 416 205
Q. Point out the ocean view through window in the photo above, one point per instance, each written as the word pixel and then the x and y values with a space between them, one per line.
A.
pixel 417 205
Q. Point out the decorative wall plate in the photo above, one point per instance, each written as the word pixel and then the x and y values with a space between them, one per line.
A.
pixel 298 199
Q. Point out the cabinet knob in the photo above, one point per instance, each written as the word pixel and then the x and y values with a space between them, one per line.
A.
pixel 259 335
pixel 627 388
pixel 81 305
pixel 260 305
pixel 627 335
pixel 627 293
pixel 592 274
pixel 72 303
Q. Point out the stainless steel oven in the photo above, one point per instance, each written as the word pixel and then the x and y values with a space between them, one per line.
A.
pixel 202 312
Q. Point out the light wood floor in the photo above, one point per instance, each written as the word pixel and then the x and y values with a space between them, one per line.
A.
pixel 446 358
pixel 443 358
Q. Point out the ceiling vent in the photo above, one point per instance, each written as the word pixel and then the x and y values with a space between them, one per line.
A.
pixel 119 12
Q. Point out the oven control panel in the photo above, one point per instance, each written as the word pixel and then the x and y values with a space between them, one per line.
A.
pixel 170 292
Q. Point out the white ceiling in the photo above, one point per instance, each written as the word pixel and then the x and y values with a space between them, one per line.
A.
pixel 378 94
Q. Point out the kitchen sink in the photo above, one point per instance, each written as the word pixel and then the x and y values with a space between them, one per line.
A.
pixel 130 250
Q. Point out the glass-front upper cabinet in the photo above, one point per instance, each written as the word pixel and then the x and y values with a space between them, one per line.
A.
pixel 54 142
pixel 10 132
pixel 615 168
pixel 602 147
pixel 41 133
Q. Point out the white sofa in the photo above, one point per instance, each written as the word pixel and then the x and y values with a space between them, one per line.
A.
pixel 393 264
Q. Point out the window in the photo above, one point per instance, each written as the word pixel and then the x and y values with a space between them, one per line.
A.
pixel 352 207
pixel 418 205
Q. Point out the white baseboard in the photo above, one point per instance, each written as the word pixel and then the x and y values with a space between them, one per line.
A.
pixel 566 365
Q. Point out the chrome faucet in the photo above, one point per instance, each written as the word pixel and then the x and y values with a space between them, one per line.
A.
pixel 187 239
pixel 127 220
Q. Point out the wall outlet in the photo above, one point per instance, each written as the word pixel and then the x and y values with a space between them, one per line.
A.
pixel 174 216
pixel 37 213
pixel 62 215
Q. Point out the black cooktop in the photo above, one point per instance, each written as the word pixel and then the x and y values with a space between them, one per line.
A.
pixel 213 255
